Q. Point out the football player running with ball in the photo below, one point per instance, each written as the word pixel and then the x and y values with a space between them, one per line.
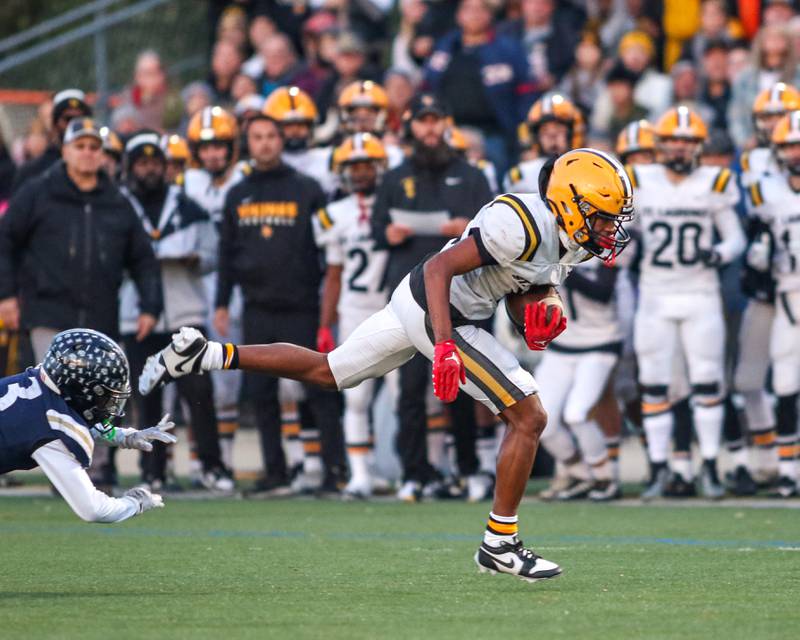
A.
pixel 51 415
pixel 514 243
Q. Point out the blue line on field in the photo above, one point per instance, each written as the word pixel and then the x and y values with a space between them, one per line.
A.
pixel 123 531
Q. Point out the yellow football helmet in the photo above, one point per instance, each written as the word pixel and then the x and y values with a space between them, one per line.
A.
pixel 554 107
pixel 787 132
pixel 290 105
pixel 213 124
pixel 636 137
pixel 175 148
pixel 111 142
pixel 363 94
pixel 680 123
pixel 360 147
pixel 456 139
pixel 770 105
pixel 591 196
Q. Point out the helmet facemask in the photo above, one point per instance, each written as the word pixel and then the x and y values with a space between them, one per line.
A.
pixel 680 160
pixel 764 123
pixel 792 165
pixel 606 243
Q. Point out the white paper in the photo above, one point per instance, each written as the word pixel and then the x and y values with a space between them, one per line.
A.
pixel 424 223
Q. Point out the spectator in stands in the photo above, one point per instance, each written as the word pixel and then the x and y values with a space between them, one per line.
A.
pixel 280 64
pixel 584 81
pixel 232 28
pixel 653 90
pixel 772 60
pixel 409 48
pixel 65 241
pixel 319 50
pixel 400 90
pixel 715 87
pixel 67 104
pixel 226 60
pixel 715 26
pixel 620 83
pixel 242 86
pixel 349 64
pixel 148 92
pixel 549 37
pixel 492 70
pixel 738 60
pixel 778 12
pixel 686 88
pixel 195 97
pixel 285 17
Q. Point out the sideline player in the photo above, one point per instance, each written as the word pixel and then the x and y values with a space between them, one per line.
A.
pixel 555 125
pixel 513 243
pixel 52 414
pixel 683 208
pixel 354 284
pixel 774 200
pixel 214 144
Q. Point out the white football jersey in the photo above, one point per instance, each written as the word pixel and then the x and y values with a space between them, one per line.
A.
pixel 394 155
pixel 199 186
pixel 679 221
pixel 756 164
pixel 490 173
pixel 778 205
pixel 592 320
pixel 520 235
pixel 344 230
pixel 315 162
pixel 524 178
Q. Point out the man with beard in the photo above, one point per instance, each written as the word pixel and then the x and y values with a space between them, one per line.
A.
pixel 427 200
pixel 184 242
pixel 554 126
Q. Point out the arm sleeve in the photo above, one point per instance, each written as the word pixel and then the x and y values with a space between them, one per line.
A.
pixel 502 233
pixel 228 229
pixel 143 266
pixel 733 241
pixel 14 230
pixel 380 214
pixel 73 483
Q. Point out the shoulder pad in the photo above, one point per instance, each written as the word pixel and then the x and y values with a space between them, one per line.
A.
pixel 721 180
pixel 632 175
pixel 180 180
pixel 246 168
pixel 482 163
pixel 744 161
pixel 515 174
pixel 755 194
pixel 533 236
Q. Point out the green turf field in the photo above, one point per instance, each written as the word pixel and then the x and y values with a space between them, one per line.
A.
pixel 318 569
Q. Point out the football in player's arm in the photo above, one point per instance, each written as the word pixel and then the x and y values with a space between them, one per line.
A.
pixel 52 415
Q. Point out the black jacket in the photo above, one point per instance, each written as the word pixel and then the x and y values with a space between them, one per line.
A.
pixel 458 188
pixel 267 241
pixel 36 167
pixel 63 252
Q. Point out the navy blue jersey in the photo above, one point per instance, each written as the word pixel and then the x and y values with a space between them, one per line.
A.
pixel 32 415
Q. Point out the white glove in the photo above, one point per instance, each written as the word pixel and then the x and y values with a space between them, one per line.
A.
pixel 759 253
pixel 145 499
pixel 142 439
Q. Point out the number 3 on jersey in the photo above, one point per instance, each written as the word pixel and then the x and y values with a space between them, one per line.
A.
pixel 676 243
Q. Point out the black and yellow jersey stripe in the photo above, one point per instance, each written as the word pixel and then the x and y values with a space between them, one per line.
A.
pixel 533 237
pixel 744 161
pixel 324 219
pixel 514 174
pixel 721 180
pixel 756 197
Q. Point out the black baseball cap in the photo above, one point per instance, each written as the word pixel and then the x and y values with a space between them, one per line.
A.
pixel 73 99
pixel 427 103
pixel 144 145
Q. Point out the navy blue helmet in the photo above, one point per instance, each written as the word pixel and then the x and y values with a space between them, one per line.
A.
pixel 91 373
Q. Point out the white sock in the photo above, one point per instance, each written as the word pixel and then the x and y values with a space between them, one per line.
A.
pixel 485 447
pixel 437 449
pixel 359 467
pixel 226 452
pixel 708 425
pixel 591 441
pixel 558 442
pixel 659 432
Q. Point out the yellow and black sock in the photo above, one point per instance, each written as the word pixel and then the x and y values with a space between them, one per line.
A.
pixel 501 529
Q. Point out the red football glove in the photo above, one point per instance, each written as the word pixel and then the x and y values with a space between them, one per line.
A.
pixel 539 332
pixel 448 370
pixel 325 341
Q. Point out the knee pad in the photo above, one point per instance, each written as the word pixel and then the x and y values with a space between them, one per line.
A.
pixel 655 399
pixel 707 394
